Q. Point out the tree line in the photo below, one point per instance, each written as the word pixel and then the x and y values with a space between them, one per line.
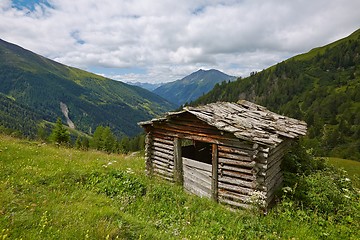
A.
pixel 103 139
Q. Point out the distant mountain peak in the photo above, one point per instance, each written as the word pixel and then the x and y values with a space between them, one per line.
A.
pixel 192 86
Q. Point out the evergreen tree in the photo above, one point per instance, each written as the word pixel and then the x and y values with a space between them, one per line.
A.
pixel 59 133
pixel 97 140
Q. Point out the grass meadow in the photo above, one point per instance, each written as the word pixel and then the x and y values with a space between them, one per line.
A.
pixel 60 193
pixel 350 166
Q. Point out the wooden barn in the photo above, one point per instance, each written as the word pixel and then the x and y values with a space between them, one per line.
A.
pixel 229 152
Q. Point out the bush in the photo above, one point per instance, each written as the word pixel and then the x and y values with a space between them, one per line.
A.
pixel 328 191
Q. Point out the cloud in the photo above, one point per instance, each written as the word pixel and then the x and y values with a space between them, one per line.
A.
pixel 170 39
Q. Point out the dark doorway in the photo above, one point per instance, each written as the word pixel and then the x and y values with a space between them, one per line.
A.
pixel 196 150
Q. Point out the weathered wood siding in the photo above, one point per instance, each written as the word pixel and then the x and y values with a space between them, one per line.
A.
pixel 161 159
pixel 272 173
pixel 197 177
pixel 236 176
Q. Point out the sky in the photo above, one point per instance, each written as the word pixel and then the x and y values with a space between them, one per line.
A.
pixel 165 40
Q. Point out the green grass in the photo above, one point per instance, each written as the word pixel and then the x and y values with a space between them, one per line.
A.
pixel 350 166
pixel 59 193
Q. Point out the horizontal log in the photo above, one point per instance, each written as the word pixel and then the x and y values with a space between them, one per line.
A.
pixel 197 164
pixel 238 189
pixel 161 135
pixel 232 195
pixel 163 140
pixel 237 182
pixel 162 150
pixel 264 149
pixel 270 173
pixel 244 176
pixel 162 155
pixel 234 204
pixel 164 146
pixel 164 160
pixel 241 149
pixel 170 179
pixel 261 165
pixel 162 164
pixel 236 162
pixel 163 171
pixel 240 169
pixel 235 156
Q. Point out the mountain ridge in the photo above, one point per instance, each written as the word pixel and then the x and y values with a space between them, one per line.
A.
pixel 192 86
pixel 41 84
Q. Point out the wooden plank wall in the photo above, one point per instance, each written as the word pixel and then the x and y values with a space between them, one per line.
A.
pixel 236 179
pixel 197 177
pixel 162 155
pixel 273 174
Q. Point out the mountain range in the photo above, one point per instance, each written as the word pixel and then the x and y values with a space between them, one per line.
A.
pixel 192 86
pixel 34 89
pixel 321 87
pixel 146 85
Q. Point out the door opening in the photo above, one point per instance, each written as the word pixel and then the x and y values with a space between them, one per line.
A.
pixel 196 150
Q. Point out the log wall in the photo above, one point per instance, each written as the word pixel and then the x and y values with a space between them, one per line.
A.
pixel 236 176
pixel 160 155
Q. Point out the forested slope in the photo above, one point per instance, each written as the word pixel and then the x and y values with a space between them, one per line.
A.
pixel 321 87
pixel 41 84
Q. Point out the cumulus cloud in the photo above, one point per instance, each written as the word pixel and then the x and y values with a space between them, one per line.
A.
pixel 170 39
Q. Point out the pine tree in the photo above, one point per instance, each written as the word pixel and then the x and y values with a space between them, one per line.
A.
pixel 59 134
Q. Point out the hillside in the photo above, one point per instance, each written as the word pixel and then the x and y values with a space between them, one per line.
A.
pixel 41 85
pixel 48 192
pixel 192 86
pixel 321 87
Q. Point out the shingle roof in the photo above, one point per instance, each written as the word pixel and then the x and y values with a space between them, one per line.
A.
pixel 246 120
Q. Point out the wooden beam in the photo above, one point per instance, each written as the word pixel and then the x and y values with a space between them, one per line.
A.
pixel 178 173
pixel 214 183
pixel 237 162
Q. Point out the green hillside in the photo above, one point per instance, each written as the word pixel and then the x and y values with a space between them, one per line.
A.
pixel 41 84
pixel 192 86
pixel 48 192
pixel 321 87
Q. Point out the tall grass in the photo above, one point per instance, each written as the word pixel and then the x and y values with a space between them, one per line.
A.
pixel 58 193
